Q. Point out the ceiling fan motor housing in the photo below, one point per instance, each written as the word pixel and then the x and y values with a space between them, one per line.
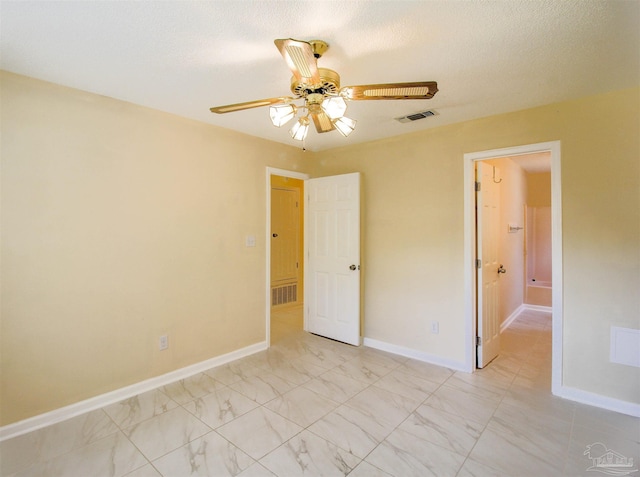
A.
pixel 329 84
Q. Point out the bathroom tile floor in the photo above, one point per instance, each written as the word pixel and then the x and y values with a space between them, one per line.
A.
pixel 312 406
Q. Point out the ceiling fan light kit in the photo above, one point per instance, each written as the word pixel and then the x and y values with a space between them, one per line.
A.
pixel 344 125
pixel 281 114
pixel 334 106
pixel 319 89
pixel 300 129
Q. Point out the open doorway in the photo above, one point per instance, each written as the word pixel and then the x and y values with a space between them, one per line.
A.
pixel 287 266
pixel 518 226
pixel 284 250
pixel 513 245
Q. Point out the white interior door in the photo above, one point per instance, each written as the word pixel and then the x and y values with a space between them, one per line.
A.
pixel 488 279
pixel 332 291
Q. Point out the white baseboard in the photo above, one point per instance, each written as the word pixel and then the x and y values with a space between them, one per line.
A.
pixel 505 324
pixel 112 397
pixel 548 309
pixel 415 354
pixel 604 402
pixel 524 307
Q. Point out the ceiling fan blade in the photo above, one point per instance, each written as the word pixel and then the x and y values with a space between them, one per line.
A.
pixel 322 121
pixel 229 108
pixel 300 59
pixel 415 90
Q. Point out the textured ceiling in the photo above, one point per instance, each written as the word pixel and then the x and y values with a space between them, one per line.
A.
pixel 183 57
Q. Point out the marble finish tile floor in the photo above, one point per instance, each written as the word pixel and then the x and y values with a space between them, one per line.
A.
pixel 310 406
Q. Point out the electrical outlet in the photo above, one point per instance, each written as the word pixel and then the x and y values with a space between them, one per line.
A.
pixel 164 342
pixel 435 327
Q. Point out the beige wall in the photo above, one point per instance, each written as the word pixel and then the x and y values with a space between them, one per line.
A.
pixel 120 223
pixel 413 238
pixel 413 257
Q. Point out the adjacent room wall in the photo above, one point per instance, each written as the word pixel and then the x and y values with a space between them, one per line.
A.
pixel 539 227
pixel 513 193
pixel 539 261
pixel 538 238
pixel 539 189
pixel 413 254
pixel 121 224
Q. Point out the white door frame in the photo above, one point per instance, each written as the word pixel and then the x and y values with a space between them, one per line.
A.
pixel 272 171
pixel 553 148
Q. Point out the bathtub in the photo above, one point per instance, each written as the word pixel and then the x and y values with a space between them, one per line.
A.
pixel 538 292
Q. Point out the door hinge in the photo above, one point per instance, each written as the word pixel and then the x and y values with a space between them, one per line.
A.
pixel 478 186
pixel 478 341
pixel 478 263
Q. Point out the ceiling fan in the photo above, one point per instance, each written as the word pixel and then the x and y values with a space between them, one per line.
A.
pixel 319 88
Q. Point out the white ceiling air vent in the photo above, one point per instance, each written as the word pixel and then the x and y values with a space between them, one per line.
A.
pixel 415 116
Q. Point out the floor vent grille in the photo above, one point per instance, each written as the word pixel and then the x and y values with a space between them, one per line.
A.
pixel 284 294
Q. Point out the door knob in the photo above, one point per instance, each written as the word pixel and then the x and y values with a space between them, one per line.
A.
pixel 501 269
pixel 274 235
pixel 352 267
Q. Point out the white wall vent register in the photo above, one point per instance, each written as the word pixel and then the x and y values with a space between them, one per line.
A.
pixel 625 346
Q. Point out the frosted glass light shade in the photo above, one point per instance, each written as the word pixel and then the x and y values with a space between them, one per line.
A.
pixel 334 106
pixel 344 125
pixel 300 129
pixel 281 114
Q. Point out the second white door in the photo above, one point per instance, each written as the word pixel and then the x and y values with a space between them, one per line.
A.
pixel 333 261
